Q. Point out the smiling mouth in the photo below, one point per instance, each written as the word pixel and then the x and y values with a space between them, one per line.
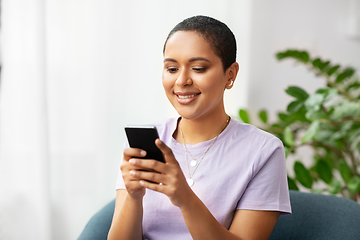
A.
pixel 187 96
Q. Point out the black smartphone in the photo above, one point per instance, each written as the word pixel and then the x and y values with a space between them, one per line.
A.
pixel 144 137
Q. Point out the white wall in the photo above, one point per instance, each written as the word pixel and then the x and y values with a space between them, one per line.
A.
pixel 85 69
pixel 317 26
pixel 321 27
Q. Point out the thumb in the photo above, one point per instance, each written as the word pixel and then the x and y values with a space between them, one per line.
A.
pixel 168 154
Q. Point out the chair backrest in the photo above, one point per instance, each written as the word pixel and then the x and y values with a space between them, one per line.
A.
pixel 319 217
pixel 314 216
pixel 99 225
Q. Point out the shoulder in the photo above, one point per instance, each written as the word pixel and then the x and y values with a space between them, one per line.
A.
pixel 253 136
pixel 256 145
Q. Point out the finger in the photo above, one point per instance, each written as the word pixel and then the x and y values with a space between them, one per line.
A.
pixel 168 154
pixel 126 167
pixel 133 152
pixel 153 177
pixel 148 164
pixel 153 186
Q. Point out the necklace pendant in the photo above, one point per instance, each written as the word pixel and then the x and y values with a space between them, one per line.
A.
pixel 193 163
pixel 190 182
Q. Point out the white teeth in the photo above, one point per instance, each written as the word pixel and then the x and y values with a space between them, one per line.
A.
pixel 188 96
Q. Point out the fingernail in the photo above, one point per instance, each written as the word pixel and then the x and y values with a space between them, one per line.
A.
pixel 132 173
pixel 142 183
pixel 143 153
pixel 132 161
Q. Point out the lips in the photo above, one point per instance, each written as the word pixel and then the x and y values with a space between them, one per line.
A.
pixel 186 98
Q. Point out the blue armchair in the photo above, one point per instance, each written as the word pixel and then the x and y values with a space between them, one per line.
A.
pixel 315 216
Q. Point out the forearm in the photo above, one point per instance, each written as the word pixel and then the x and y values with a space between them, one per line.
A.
pixel 127 224
pixel 202 224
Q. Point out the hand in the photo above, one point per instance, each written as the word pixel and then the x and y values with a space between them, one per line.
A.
pixel 166 178
pixel 133 186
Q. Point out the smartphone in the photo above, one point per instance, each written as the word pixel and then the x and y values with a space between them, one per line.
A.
pixel 144 137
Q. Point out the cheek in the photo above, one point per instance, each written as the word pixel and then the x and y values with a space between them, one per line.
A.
pixel 214 83
pixel 167 82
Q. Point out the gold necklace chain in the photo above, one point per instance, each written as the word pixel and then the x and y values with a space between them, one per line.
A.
pixel 189 180
pixel 182 135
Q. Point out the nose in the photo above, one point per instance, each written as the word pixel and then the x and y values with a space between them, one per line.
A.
pixel 183 79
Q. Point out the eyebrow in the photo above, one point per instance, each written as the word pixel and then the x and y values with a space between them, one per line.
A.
pixel 169 60
pixel 191 59
pixel 198 59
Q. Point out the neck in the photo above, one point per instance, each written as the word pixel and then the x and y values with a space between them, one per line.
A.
pixel 200 130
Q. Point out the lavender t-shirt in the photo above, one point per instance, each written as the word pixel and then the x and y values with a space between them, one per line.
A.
pixel 244 169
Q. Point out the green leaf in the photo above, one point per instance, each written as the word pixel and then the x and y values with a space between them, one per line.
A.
pixel 357 146
pixel 303 175
pixel 297 93
pixel 324 171
pixel 286 151
pixel 316 63
pixel 327 93
pixel 350 109
pixel 354 136
pixel 340 132
pixel 292 184
pixel 282 116
pixel 311 132
pixel 330 157
pixel 317 191
pixel 263 116
pixel 337 135
pixel 334 187
pixel 323 65
pixel 281 55
pixel 294 106
pixel 288 138
pixel 301 56
pixel 299 115
pixel 312 116
pixel 347 73
pixel 324 135
pixel 313 102
pixel 244 116
pixel 354 185
pixel 332 70
pixel 339 144
pixel 344 170
pixel 354 85
pixel 304 56
pixel 322 91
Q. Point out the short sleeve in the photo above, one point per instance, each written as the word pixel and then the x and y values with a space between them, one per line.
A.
pixel 268 188
pixel 120 181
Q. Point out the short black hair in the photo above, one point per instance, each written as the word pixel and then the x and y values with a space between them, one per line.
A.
pixel 218 34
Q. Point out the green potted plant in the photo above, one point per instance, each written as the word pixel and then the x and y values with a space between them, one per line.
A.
pixel 328 121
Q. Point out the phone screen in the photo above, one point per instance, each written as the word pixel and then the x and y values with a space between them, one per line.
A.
pixel 143 137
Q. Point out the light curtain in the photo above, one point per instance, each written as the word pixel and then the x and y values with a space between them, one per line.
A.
pixel 75 72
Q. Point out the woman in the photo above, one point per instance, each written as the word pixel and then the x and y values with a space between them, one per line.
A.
pixel 222 179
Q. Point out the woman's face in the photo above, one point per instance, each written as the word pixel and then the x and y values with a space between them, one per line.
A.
pixel 193 76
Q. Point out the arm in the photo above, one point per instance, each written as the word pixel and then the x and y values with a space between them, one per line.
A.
pixel 250 224
pixel 127 219
pixel 128 213
pixel 199 220
pixel 247 224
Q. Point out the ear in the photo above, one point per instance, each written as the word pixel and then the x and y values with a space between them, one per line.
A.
pixel 231 74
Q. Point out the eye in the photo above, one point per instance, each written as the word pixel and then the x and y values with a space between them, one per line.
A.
pixel 171 69
pixel 199 69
